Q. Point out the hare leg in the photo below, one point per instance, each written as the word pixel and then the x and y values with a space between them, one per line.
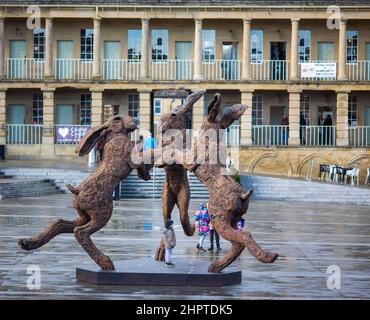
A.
pixel 183 198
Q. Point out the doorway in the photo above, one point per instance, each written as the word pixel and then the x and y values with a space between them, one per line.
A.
pixel 17 63
pixel 17 117
pixel 367 62
pixel 64 114
pixel 277 114
pixel 278 61
pixel 229 65
pixel 112 56
pixel 64 63
pixel 183 56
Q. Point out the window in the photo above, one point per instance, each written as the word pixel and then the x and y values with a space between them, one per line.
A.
pixel 352 45
pixel 325 51
pixel 304 45
pixel 352 111
pixel 85 110
pixel 256 46
pixel 157 106
pixel 305 107
pixel 257 110
pixel 133 105
pixel 208 45
pixel 87 44
pixel 159 45
pixel 37 108
pixel 39 44
pixel 134 45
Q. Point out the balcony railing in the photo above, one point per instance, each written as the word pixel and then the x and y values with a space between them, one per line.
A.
pixel 121 69
pixel 232 135
pixel 23 134
pixel 317 136
pixel 25 68
pixel 172 70
pixel 359 71
pixel 73 69
pixel 269 70
pixel 270 135
pixel 359 136
pixel 221 70
pixel 318 70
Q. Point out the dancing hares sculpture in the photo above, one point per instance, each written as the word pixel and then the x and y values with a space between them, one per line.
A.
pixel 93 197
pixel 176 186
pixel 228 201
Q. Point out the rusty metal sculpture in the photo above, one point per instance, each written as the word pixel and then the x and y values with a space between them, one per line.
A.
pixel 176 186
pixel 228 201
pixel 93 197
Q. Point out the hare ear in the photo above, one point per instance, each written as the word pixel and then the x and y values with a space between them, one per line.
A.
pixel 189 101
pixel 214 108
pixel 90 139
pixel 232 114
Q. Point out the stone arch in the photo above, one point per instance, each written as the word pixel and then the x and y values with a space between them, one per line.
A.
pixel 260 157
pixel 357 158
pixel 307 158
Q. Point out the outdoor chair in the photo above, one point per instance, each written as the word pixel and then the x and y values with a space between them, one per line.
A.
pixel 367 181
pixel 353 175
pixel 324 172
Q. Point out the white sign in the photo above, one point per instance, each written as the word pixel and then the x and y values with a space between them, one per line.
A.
pixel 320 70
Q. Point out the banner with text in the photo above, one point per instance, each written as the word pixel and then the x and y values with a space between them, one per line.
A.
pixel 319 70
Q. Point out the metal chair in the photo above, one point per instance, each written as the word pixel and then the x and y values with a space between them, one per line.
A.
pixel 353 174
pixel 367 181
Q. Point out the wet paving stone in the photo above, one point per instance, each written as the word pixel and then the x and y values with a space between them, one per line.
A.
pixel 308 237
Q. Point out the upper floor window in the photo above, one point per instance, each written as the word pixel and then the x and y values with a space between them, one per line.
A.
pixel 159 45
pixel 133 105
pixel 352 111
pixel 208 45
pixel 304 45
pixel 39 44
pixel 37 108
pixel 352 46
pixel 157 106
pixel 134 45
pixel 85 110
pixel 257 115
pixel 305 107
pixel 256 46
pixel 87 44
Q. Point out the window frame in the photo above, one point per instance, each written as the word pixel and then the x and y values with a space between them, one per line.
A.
pixel 39 36
pixel 160 34
pixel 210 50
pixel 259 47
pixel 37 108
pixel 257 108
pixel 305 46
pixel 133 105
pixel 134 38
pixel 354 56
pixel 84 45
pixel 154 106
pixel 85 109
pixel 352 110
pixel 304 107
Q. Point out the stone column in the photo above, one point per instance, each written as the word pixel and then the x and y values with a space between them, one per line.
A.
pixel 48 132
pixel 49 48
pixel 2 48
pixel 342 119
pixel 144 67
pixel 198 50
pixel 145 109
pixel 294 108
pixel 246 119
pixel 246 74
pixel 96 107
pixel 198 113
pixel 342 72
pixel 97 49
pixel 294 50
pixel 2 116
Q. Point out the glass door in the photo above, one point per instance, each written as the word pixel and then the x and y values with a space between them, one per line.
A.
pixel 229 65
pixel 65 62
pixel 17 119
pixel 112 56
pixel 17 63
pixel 184 56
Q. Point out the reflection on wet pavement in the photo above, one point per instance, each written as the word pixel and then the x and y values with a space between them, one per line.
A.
pixel 309 238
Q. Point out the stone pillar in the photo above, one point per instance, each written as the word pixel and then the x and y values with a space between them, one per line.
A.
pixel 198 50
pixel 145 109
pixel 48 132
pixel 2 116
pixel 342 119
pixel 2 48
pixel 49 48
pixel 294 108
pixel 96 107
pixel 97 49
pixel 246 119
pixel 144 67
pixel 198 113
pixel 294 50
pixel 342 72
pixel 246 74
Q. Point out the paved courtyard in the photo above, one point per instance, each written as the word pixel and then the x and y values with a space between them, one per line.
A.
pixel 309 237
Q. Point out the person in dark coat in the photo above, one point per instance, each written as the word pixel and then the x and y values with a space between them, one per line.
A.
pixel 327 137
pixel 302 124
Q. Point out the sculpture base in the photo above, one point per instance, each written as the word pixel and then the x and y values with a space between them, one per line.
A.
pixel 148 272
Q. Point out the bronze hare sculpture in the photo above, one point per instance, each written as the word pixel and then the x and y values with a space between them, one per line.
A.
pixel 93 197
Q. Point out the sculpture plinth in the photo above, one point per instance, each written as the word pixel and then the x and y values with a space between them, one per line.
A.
pixel 146 272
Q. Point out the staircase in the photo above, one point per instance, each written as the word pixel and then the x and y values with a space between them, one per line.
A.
pixel 16 188
pixel 283 189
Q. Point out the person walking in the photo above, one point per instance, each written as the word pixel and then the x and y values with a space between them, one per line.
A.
pixel 213 235
pixel 169 239
pixel 202 220
pixel 149 143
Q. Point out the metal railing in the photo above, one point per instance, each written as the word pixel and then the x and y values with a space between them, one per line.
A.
pixel 25 68
pixel 359 136
pixel 270 135
pixel 318 136
pixel 317 70
pixel 221 70
pixel 269 70
pixel 76 69
pixel 121 69
pixel 69 134
pixel 359 71
pixel 24 133
pixel 172 70
pixel 232 135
